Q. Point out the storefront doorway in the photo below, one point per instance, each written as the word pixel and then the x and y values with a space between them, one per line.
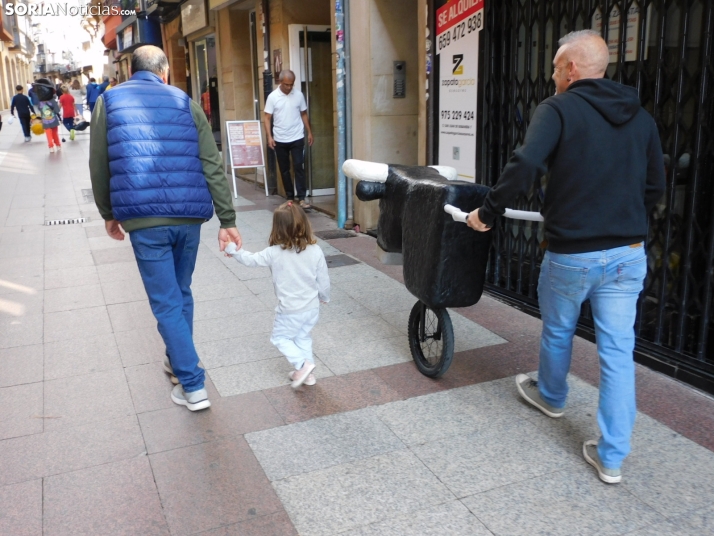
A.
pixel 313 72
pixel 207 83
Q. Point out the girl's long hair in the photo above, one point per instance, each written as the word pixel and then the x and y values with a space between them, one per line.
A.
pixel 291 228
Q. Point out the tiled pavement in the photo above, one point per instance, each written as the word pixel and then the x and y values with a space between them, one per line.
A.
pixel 90 442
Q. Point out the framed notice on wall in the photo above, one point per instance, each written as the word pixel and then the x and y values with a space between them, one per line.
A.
pixel 458 24
pixel 245 148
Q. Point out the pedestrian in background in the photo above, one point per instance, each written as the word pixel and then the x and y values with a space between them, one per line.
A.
pixel 301 282
pixel 78 92
pixel 49 112
pixel 68 111
pixel 25 110
pixel 134 142
pixel 287 108
pixel 606 173
pixel 92 94
pixel 206 101
pixel 103 86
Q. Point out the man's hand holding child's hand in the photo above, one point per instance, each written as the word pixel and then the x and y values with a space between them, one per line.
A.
pixel 231 249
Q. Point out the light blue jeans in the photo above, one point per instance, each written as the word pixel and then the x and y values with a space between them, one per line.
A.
pixel 291 335
pixel 612 280
pixel 167 257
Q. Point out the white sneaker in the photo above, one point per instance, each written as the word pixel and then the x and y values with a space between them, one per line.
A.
pixel 301 375
pixel 194 401
pixel 52 149
pixel 309 381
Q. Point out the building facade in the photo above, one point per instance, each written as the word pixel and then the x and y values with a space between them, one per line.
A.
pixel 17 53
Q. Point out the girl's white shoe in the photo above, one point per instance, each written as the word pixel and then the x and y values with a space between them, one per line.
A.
pixel 300 376
pixel 310 378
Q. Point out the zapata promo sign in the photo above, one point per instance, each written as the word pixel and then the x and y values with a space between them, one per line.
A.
pixel 458 24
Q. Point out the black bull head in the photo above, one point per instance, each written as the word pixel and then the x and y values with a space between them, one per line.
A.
pixel 444 261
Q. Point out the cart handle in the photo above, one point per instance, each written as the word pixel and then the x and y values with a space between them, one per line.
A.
pixel 460 216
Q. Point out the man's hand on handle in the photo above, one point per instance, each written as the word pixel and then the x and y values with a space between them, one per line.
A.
pixel 114 229
pixel 225 236
pixel 475 222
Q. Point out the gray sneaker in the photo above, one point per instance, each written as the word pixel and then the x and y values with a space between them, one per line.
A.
pixel 194 401
pixel 609 476
pixel 528 388
pixel 168 369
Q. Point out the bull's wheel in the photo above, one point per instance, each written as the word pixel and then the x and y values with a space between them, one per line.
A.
pixel 431 339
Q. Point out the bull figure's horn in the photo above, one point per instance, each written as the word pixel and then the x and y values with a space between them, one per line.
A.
pixel 365 171
pixel 375 172
pixel 449 173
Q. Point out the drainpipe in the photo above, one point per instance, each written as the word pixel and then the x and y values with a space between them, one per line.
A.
pixel 348 109
pixel 268 87
pixel 341 145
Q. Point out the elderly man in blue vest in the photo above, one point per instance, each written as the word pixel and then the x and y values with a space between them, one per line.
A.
pixel 157 174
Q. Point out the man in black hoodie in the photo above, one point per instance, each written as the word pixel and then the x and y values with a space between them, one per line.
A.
pixel 603 155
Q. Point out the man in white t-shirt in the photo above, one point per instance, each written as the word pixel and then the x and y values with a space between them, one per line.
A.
pixel 286 107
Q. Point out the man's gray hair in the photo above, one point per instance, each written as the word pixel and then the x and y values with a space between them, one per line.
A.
pixel 588 49
pixel 149 58
pixel 288 73
pixel 574 36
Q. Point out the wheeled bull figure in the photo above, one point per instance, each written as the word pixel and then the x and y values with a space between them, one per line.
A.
pixel 444 261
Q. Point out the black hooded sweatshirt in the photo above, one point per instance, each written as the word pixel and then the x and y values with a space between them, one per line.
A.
pixel 604 159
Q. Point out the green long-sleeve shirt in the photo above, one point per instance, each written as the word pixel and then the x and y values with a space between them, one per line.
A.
pixel 212 170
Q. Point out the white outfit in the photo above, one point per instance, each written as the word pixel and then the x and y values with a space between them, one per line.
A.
pixel 300 281
pixel 286 109
pixel 291 335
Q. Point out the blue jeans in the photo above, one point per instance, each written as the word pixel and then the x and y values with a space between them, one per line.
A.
pixel 166 257
pixel 68 123
pixel 612 280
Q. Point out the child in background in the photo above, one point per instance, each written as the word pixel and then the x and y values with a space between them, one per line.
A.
pixel 301 282
pixel 49 113
pixel 68 110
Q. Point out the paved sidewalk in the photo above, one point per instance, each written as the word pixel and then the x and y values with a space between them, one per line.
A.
pixel 90 442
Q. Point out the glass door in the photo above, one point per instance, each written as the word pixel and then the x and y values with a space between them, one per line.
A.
pixel 207 84
pixel 312 65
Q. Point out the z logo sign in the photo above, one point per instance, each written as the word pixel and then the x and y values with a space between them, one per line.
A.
pixel 458 68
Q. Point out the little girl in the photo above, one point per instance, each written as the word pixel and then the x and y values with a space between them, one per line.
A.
pixel 301 282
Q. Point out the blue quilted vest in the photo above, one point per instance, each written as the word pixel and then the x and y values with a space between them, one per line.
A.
pixel 154 159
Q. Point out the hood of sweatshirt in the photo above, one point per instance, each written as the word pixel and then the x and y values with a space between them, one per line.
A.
pixel 615 102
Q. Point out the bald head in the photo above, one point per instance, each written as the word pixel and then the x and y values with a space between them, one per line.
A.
pixel 286 74
pixel 287 81
pixel 588 50
pixel 149 58
pixel 583 54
